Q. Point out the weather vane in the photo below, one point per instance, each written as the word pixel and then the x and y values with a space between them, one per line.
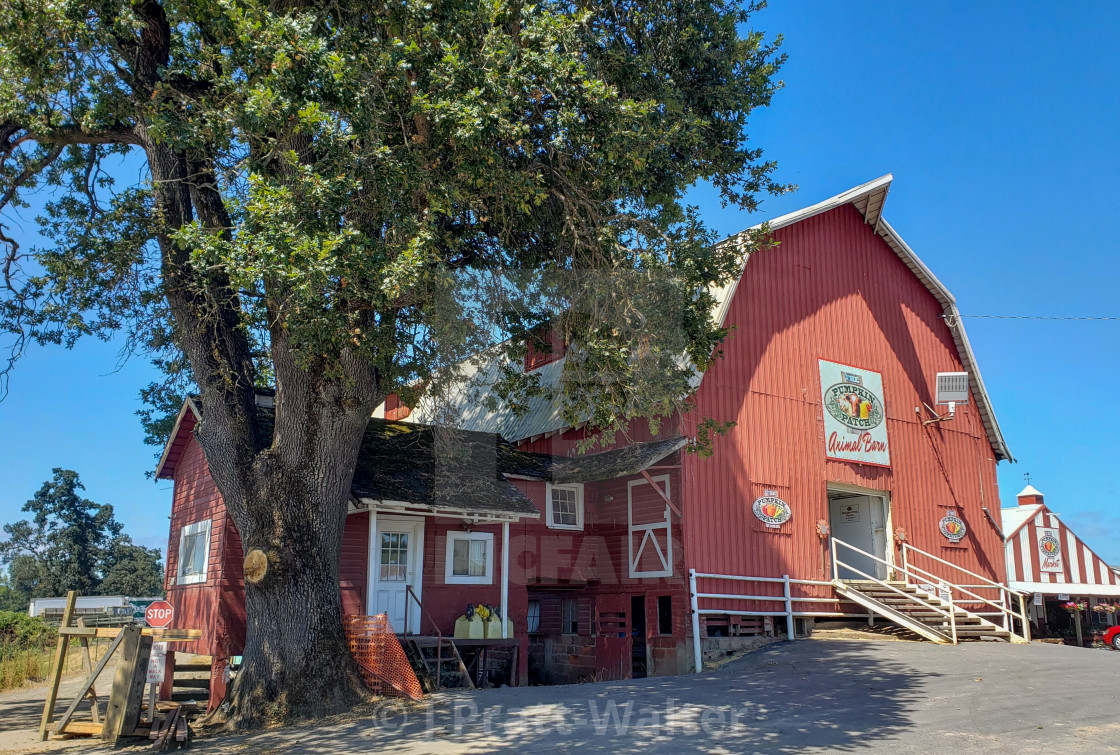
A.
pixel 1027 477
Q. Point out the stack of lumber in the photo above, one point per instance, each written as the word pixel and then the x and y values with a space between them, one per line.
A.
pixel 170 730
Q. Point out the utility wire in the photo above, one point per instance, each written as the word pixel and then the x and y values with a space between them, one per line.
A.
pixel 1033 317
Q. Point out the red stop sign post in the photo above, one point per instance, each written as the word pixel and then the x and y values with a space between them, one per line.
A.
pixel 159 614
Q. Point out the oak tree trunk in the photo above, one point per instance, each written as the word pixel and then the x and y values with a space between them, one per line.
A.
pixel 286 483
pixel 290 503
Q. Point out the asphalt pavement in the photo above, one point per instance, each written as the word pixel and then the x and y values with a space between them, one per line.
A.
pixel 809 696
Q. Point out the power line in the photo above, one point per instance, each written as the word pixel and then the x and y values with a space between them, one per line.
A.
pixel 1034 317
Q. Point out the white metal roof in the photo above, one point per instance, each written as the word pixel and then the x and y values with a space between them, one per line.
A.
pixel 542 416
pixel 1016 516
pixel 1029 490
pixel 463 408
pixel 1078 589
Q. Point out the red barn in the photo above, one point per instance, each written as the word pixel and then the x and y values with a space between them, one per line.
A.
pixel 843 489
pixel 1051 563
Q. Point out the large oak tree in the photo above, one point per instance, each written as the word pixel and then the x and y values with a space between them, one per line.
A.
pixel 340 199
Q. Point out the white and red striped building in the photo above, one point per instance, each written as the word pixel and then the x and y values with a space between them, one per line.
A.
pixel 1047 559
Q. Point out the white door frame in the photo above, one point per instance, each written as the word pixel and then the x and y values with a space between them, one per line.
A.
pixel 884 495
pixel 416 556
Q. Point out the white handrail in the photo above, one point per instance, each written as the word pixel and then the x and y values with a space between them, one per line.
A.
pixel 912 598
pixel 931 575
pixel 907 546
pixel 1005 593
pixel 787 599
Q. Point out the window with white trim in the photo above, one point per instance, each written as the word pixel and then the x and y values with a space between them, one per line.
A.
pixel 194 553
pixel 565 507
pixel 470 558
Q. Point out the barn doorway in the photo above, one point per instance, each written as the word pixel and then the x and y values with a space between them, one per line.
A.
pixel 639 655
pixel 860 519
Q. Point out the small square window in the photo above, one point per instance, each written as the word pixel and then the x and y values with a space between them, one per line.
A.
pixel 533 617
pixel 569 616
pixel 664 614
pixel 565 507
pixel 470 558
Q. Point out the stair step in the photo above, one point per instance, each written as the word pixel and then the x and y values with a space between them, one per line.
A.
pixel 193 666
pixel 193 683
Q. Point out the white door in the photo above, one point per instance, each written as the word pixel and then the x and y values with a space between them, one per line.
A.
pixel 860 521
pixel 396 558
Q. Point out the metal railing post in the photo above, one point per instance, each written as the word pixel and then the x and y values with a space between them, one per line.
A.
pixel 699 660
pixel 1023 615
pixel 790 634
pixel 832 545
pixel 953 616
pixel 905 564
pixel 1005 600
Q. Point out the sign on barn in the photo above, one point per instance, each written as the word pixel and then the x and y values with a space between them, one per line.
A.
pixel 855 418
pixel 1049 550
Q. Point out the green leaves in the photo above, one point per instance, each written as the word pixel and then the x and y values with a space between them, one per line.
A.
pixel 400 183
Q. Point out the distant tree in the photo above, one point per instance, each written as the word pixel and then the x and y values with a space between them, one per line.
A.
pixel 73 543
pixel 133 570
pixel 11 599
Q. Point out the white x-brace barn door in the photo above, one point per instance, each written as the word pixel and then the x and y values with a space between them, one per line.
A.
pixel 649 532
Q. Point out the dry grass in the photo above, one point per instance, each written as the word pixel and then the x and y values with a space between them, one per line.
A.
pixel 20 666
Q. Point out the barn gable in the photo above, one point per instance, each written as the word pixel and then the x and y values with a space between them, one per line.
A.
pixel 868 199
pixel 1044 555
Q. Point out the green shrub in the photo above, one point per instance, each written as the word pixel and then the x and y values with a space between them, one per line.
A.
pixel 18 630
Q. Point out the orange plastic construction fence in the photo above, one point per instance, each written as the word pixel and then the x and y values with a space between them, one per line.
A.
pixel 380 657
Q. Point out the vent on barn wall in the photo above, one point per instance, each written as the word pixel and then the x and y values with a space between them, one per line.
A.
pixel 952 389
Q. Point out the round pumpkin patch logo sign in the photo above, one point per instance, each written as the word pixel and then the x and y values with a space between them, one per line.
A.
pixel 771 510
pixel 953 527
pixel 1049 546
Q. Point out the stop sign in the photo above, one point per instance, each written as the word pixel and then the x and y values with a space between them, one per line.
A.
pixel 159 614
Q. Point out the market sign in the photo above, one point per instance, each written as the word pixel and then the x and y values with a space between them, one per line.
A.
pixel 771 511
pixel 1049 550
pixel 952 527
pixel 855 418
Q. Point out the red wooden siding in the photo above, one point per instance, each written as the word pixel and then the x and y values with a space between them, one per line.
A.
pixel 353 569
pixel 546 345
pixel 831 290
pixel 566 443
pixel 394 409
pixel 216 606
pixel 445 603
pixel 1080 565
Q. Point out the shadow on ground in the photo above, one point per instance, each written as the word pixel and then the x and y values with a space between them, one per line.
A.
pixel 771 701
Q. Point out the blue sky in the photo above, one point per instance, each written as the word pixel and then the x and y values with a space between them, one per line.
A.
pixel 1000 125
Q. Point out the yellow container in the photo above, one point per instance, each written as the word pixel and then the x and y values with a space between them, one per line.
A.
pixel 494 629
pixel 470 629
